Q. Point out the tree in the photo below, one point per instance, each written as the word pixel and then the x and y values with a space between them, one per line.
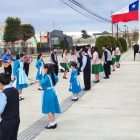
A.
pixel 113 41
pixel 12 30
pixel 102 40
pixel 123 44
pixel 64 44
pixel 28 31
pixel 85 34
pixel 135 36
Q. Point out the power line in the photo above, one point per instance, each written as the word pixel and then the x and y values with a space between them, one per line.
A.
pixel 84 14
pixel 91 14
pixel 89 11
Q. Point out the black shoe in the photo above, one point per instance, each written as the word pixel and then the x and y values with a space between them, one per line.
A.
pixel 39 88
pixel 21 98
pixel 96 81
pixel 106 77
pixel 65 77
pixel 85 89
pixel 76 99
pixel 51 126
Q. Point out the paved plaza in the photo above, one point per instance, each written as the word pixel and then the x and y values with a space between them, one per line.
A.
pixel 109 111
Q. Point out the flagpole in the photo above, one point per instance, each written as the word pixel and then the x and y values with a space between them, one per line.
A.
pixel 117 33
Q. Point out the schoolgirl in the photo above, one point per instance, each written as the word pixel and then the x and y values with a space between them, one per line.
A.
pixel 21 79
pixel 50 103
pixel 39 66
pixel 75 87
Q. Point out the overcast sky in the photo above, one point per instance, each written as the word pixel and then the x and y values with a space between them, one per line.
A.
pixel 46 15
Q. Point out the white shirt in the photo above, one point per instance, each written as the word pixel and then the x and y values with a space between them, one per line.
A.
pixel 3 99
pixel 84 61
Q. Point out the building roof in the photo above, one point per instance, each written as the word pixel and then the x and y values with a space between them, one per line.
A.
pixel 103 33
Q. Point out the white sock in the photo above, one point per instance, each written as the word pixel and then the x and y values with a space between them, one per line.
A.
pixel 52 123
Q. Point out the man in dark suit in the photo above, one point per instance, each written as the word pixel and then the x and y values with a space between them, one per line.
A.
pixel 54 60
pixel 86 68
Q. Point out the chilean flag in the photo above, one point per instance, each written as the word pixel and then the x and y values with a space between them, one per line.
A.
pixel 128 13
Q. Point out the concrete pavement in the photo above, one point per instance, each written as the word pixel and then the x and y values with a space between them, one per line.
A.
pixel 110 111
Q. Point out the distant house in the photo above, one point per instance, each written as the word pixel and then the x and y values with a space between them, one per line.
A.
pixel 31 44
pixel 57 36
pixel 105 33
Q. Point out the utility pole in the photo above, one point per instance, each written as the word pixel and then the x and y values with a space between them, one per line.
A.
pixel 112 24
pixel 40 42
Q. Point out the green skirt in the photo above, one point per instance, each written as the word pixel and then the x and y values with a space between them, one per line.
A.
pixel 70 63
pixel 118 58
pixel 65 66
pixel 97 68
pixel 113 61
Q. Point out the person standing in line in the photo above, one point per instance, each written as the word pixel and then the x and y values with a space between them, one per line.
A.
pixel 21 79
pixel 136 50
pixel 14 64
pixel 113 59
pixel 39 66
pixel 75 87
pixel 9 109
pixel 73 56
pixel 50 103
pixel 7 61
pixel 28 60
pixel 86 68
pixel 54 60
pixel 106 62
pixel 109 58
pixel 65 63
pixel 79 58
pixel 90 52
pixel 118 56
pixel 96 65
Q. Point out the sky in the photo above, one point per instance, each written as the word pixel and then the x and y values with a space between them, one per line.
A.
pixel 46 15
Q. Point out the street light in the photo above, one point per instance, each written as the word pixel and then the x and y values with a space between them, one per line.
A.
pixel 126 34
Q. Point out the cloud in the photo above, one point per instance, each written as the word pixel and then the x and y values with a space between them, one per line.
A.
pixel 45 15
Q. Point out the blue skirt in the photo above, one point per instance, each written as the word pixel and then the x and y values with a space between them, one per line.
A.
pixel 75 89
pixel 20 86
pixel 50 102
pixel 38 76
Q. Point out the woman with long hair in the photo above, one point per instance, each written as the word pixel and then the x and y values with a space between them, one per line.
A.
pixel 96 65
pixel 21 79
pixel 118 56
pixel 39 66
pixel 50 103
pixel 113 58
pixel 73 56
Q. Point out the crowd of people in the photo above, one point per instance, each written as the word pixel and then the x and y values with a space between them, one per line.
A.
pixel 86 60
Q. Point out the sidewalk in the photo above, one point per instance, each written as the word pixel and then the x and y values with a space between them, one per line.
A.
pixel 110 111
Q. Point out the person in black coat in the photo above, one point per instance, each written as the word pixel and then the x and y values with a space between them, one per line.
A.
pixel 9 109
pixel 86 68
pixel 79 58
pixel 54 60
pixel 106 59
pixel 136 50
